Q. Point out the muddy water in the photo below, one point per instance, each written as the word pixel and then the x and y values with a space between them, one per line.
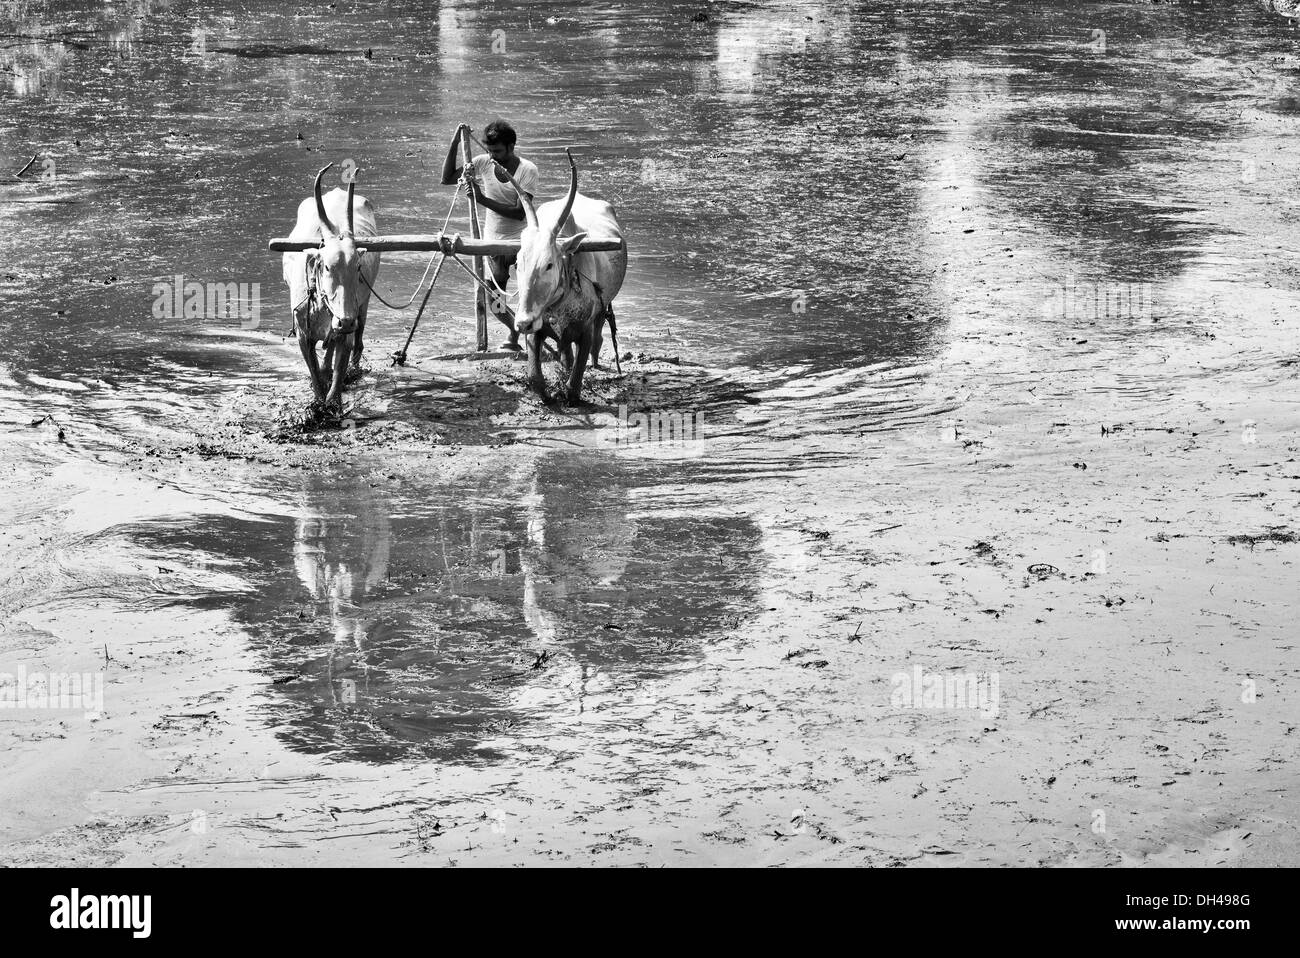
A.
pixel 821 199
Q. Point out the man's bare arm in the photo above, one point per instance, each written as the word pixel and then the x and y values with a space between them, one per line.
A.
pixel 450 169
pixel 513 211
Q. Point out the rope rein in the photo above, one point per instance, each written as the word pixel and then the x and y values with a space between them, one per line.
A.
pixel 418 286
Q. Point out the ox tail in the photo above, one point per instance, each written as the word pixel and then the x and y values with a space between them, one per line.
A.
pixel 613 336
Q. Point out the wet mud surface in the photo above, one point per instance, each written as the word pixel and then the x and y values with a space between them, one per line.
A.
pixel 978 334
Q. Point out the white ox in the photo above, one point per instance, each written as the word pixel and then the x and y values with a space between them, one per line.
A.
pixel 562 293
pixel 327 296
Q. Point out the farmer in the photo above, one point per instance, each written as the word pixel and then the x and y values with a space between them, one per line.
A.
pixel 493 192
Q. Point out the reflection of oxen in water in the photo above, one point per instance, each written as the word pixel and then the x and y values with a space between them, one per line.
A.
pixel 436 632
pixel 608 593
pixel 341 548
pixel 611 533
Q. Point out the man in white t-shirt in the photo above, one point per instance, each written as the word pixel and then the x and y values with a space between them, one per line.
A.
pixel 504 218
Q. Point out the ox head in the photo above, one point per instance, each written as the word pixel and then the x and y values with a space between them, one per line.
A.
pixel 545 266
pixel 333 268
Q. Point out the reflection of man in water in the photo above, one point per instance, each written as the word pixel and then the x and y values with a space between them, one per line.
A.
pixel 492 191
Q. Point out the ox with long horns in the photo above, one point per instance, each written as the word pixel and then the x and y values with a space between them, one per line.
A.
pixel 329 287
pixel 565 294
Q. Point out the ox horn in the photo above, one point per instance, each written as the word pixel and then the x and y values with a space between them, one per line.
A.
pixel 352 188
pixel 320 204
pixel 530 213
pixel 568 201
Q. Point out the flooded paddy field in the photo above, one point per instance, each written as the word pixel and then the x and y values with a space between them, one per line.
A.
pixel 975 542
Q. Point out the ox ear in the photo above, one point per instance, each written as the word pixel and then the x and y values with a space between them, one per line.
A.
pixel 313 265
pixel 569 244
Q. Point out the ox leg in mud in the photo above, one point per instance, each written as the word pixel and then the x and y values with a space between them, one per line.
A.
pixel 536 381
pixel 340 347
pixel 358 345
pixel 572 394
pixel 352 358
pixel 308 347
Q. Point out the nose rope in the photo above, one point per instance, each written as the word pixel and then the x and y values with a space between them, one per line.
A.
pixel 547 349
pixel 311 296
pixel 418 286
pixel 399 357
pixel 478 279
pixel 329 306
pixel 493 278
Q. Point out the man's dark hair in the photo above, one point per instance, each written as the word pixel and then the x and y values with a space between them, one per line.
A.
pixel 499 131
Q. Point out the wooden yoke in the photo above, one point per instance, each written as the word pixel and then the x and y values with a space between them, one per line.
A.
pixel 433 242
